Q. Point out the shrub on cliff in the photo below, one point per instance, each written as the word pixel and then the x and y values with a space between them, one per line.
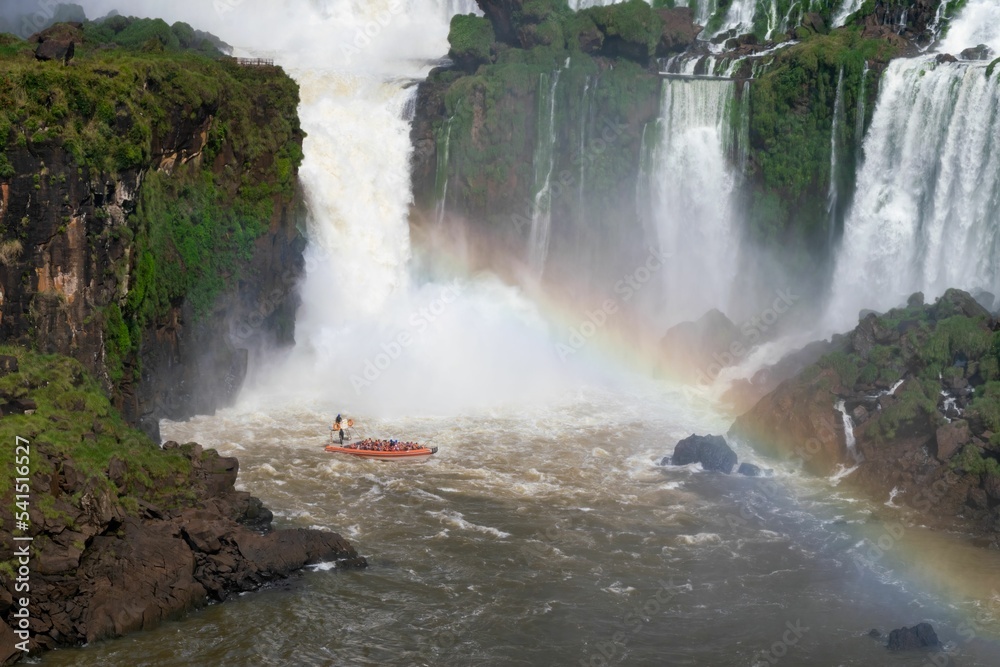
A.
pixel 471 40
pixel 631 29
pixel 74 420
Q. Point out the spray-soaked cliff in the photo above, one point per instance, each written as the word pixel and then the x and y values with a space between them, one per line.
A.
pixel 147 209
pixel 725 137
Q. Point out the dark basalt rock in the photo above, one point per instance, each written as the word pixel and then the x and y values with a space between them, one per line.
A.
pixel 919 636
pixel 711 451
pixel 55 50
pixel 750 470
pixel 981 52
pixel 103 573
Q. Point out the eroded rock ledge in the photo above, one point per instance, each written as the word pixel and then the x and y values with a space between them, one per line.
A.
pixel 910 403
pixel 101 571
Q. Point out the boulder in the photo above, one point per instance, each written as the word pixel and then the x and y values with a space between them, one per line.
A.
pixel 711 451
pixel 679 30
pixel 951 438
pixel 53 49
pixel 981 52
pixel 919 636
pixel 945 58
pixel 814 22
pixel 8 643
pixel 750 470
pixel 797 421
pixel 916 300
pixel 8 365
pixel 985 299
pixel 991 484
pixel 699 350
pixel 957 302
pixel 502 13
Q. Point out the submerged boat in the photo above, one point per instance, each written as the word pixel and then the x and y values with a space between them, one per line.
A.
pixel 383 452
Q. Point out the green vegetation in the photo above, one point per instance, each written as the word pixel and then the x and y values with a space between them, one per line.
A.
pixel 471 38
pixel 116 112
pixel 972 461
pixel 954 336
pixel 987 406
pixel 633 22
pixel 915 408
pixel 791 120
pixel 74 420
pixel 846 367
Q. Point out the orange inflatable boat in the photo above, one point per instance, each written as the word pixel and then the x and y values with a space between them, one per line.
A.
pixel 383 450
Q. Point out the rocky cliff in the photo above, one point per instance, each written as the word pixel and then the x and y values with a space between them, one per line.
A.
pixel 911 400
pixel 550 119
pixel 148 209
pixel 124 534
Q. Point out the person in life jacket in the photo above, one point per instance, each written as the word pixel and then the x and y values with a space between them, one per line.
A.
pixel 338 425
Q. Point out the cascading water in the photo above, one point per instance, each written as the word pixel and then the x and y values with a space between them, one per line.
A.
pixel 739 17
pixel 585 112
pixel 859 125
pixel 847 7
pixel 545 155
pixel 541 533
pixel 978 23
pixel 926 214
pixel 831 197
pixel 695 180
pixel 849 440
pixel 441 173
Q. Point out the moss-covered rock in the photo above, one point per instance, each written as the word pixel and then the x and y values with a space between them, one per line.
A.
pixel 471 39
pixel 114 517
pixel 146 187
pixel 916 380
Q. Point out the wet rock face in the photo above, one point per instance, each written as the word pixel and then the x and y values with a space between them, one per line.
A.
pixel 67 253
pixel 919 388
pixel 919 636
pixel 112 573
pixel 711 451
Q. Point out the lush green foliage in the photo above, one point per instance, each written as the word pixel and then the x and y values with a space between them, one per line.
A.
pixel 634 22
pixel 74 418
pixel 195 228
pixel 471 38
pixel 972 461
pixel 917 406
pixel 792 108
pixel 846 367
pixel 987 405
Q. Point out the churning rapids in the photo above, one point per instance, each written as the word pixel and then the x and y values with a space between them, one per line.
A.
pixel 543 533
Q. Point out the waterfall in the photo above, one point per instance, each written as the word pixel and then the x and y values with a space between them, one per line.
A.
pixel 739 17
pixel 441 172
pixel 453 7
pixel 831 197
pixel 848 7
pixel 544 162
pixel 978 23
pixel 581 189
pixel 926 213
pixel 695 179
pixel 859 125
pixel 849 439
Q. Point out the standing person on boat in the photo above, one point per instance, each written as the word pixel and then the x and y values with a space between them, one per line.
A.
pixel 338 425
